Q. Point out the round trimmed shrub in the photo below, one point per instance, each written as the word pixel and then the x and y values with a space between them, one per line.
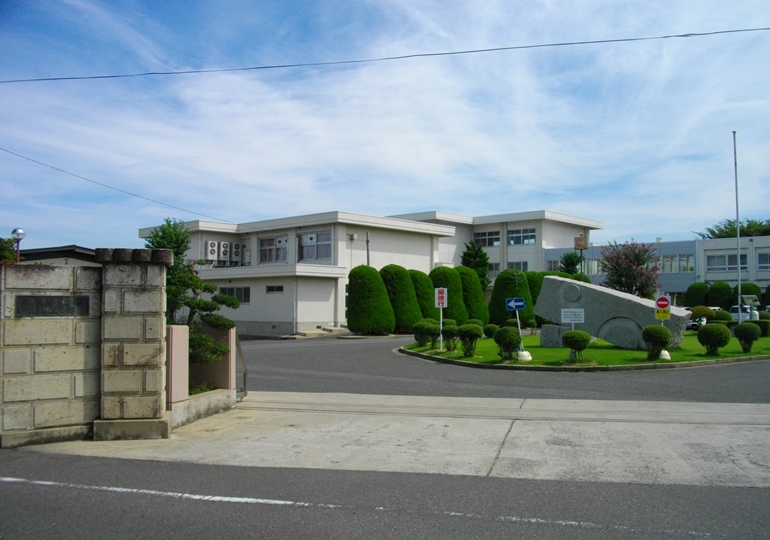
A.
pixel 508 341
pixel 696 294
pixel 402 297
pixel 721 315
pixel 747 288
pixel 511 322
pixel 577 341
pixel 713 336
pixel 474 321
pixel 657 338
pixel 469 334
pixel 764 316
pixel 423 289
pixel 449 322
pixel 747 333
pixel 421 335
pixel 449 333
pixel 510 284
pixel 490 329
pixel 449 278
pixel 698 312
pixel 473 295
pixel 369 309
pixel 721 295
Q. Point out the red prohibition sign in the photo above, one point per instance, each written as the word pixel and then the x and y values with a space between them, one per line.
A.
pixel 662 302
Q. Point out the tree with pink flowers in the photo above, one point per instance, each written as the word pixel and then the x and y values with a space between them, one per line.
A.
pixel 630 268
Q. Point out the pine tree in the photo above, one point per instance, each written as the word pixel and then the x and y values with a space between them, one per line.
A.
pixel 476 258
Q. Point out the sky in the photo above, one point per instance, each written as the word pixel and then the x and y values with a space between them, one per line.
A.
pixel 637 135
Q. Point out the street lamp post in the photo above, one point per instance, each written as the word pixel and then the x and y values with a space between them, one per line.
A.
pixel 18 235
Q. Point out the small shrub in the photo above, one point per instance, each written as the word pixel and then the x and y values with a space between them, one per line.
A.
pixel 511 322
pixel 449 333
pixel 747 333
pixel 657 338
pixel 508 341
pixel 531 324
pixel 721 295
pixel 434 332
pixel 764 326
pixel 474 321
pixel 469 334
pixel 420 332
pixel 699 312
pixel 577 341
pixel 713 337
pixel 721 315
pixel 431 321
pixel 696 294
pixel 449 322
pixel 490 329
pixel 764 316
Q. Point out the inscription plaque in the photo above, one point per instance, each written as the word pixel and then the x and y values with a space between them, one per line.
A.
pixel 52 306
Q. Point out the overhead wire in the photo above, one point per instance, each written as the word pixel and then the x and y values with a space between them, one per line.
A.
pixel 381 59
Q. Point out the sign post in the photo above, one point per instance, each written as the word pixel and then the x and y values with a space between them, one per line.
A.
pixel 442 297
pixel 517 304
pixel 572 316
pixel 662 309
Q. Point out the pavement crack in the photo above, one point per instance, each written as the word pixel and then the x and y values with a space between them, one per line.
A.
pixel 500 448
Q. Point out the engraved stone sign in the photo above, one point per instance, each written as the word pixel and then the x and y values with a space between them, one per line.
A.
pixel 52 306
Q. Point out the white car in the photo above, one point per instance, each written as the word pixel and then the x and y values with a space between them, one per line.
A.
pixel 744 309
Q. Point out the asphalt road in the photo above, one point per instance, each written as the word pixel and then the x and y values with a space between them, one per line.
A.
pixel 371 367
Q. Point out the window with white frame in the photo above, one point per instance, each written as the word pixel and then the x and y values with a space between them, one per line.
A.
pixel 552 266
pixel 594 267
pixel 274 289
pixel 243 294
pixel 763 261
pixel 487 239
pixel 678 263
pixel 519 237
pixel 518 265
pixel 314 246
pixel 273 249
pixel 725 263
pixel 493 269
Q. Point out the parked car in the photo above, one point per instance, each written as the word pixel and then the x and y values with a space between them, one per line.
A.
pixel 695 324
pixel 743 309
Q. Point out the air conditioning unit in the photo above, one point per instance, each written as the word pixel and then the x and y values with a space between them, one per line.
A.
pixel 235 253
pixel 247 257
pixel 224 251
pixel 311 238
pixel 212 250
pixel 281 242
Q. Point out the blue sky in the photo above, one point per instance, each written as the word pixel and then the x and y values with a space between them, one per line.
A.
pixel 636 135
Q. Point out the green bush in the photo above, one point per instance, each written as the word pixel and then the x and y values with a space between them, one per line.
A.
pixel 696 295
pixel 577 341
pixel 449 333
pixel 747 288
pixel 657 338
pixel 747 333
pixel 721 295
pixel 449 322
pixel 203 347
pixel 535 283
pixel 721 315
pixel 421 335
pixel 511 322
pixel 469 334
pixel 490 329
pixel 698 312
pixel 449 278
pixel 402 297
pixel 510 284
pixel 432 321
pixel 764 326
pixel 474 321
pixel 764 316
pixel 369 309
pixel 766 299
pixel 508 341
pixel 713 336
pixel 473 295
pixel 426 297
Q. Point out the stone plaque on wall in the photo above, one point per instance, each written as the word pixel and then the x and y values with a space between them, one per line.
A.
pixel 52 306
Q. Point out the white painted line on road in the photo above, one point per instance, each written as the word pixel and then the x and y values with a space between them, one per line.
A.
pixel 296 504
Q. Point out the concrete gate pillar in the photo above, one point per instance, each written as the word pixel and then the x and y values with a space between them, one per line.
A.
pixel 133 356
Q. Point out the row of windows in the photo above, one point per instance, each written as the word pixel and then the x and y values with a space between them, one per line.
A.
pixel 494 268
pixel 243 294
pixel 312 246
pixel 516 237
pixel 685 263
pixel 725 263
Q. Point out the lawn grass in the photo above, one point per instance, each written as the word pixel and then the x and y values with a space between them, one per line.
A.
pixel 599 353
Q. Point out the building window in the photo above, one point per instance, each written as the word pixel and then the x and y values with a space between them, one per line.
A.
pixel 274 289
pixel 493 269
pixel 552 266
pixel 763 261
pixel 273 249
pixel 243 294
pixel 487 239
pixel 518 265
pixel 594 267
pixel 725 263
pixel 521 237
pixel 678 263
pixel 315 246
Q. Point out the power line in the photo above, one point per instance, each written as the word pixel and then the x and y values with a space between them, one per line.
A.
pixel 384 58
pixel 111 187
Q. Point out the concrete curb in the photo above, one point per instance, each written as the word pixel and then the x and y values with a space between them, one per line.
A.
pixel 627 367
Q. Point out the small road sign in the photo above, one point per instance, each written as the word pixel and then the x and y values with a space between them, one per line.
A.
pixel 662 302
pixel 515 304
pixel 441 297
pixel 572 315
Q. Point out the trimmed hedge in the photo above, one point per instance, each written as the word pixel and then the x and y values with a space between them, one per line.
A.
pixel 713 336
pixel 426 297
pixel 469 334
pixel 449 278
pixel 490 329
pixel 696 295
pixel 721 315
pixel 510 284
pixel 764 326
pixel 657 338
pixel 508 341
pixel 747 333
pixel 721 295
pixel 449 334
pixel 369 309
pixel 747 288
pixel 577 341
pixel 402 297
pixel 473 295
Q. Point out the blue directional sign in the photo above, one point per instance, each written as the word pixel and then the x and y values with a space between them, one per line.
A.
pixel 514 304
